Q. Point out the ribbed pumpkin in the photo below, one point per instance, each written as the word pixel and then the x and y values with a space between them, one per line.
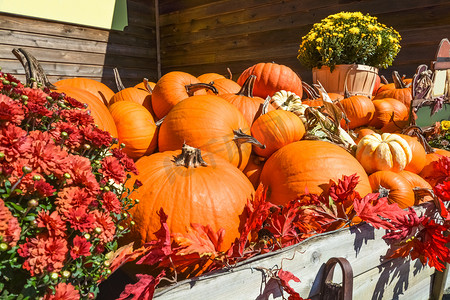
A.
pixel 393 186
pixel 309 165
pixel 142 97
pixel 271 78
pixel 384 108
pixel 244 101
pixel 400 91
pixel 97 108
pixel 253 169
pixel 276 129
pixel 172 88
pixel 358 109
pixel 383 152
pixel 100 90
pixel 136 128
pixel 208 191
pixel 418 159
pixel 209 123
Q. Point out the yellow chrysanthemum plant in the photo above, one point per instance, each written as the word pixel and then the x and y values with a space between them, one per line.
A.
pixel 349 38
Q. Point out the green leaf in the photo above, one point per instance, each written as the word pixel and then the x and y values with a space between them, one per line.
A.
pixel 16 206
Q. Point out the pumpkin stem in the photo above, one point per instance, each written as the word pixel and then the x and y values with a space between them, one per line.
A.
pixel 383 192
pixel 385 81
pixel 309 91
pixel 34 73
pixel 160 121
pixel 147 86
pixel 230 74
pixel 240 138
pixel 247 88
pixel 118 80
pixel 398 82
pixel 420 193
pixel 190 157
pixel 192 88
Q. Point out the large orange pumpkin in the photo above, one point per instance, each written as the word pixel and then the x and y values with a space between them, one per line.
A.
pixel 358 109
pixel 244 101
pixel 172 88
pixel 271 78
pixel 400 91
pixel 393 186
pixel 209 123
pixel 97 108
pixel 309 165
pixel 140 96
pixel 100 90
pixel 208 191
pixel 136 128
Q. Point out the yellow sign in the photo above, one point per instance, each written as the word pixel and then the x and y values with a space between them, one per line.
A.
pixel 107 14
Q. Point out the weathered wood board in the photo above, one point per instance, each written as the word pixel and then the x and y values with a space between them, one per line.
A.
pixel 362 246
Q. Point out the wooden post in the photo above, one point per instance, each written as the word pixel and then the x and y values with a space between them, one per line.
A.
pixel 158 40
pixel 440 278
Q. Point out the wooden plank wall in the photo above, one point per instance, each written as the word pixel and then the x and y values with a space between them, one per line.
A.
pixel 208 36
pixel 67 50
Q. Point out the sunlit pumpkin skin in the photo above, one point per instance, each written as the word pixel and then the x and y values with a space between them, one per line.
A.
pixel 142 97
pixel 309 165
pixel 428 170
pixel 206 122
pixel 394 186
pixel 143 85
pixel 214 194
pixel 100 90
pixel 276 129
pixel 97 108
pixel 358 109
pixel 383 152
pixel 271 78
pixel 361 132
pixel 253 169
pixel 209 77
pixel 382 114
pixel 245 102
pixel 136 128
pixel 225 86
pixel 171 89
pixel 417 182
pixel 419 154
pixel 404 95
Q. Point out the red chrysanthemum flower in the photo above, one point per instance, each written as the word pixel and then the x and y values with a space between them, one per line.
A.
pixel 73 137
pixel 97 137
pixel 80 171
pixel 52 222
pixel 81 247
pixel 80 219
pixel 129 165
pixel 106 225
pixel 74 102
pixel 9 226
pixel 38 111
pixel 11 110
pixel 36 96
pixel 77 117
pixel 14 142
pixel 118 153
pixel 71 198
pixel 63 291
pixel 112 169
pixel 44 189
pixel 111 203
pixel 43 254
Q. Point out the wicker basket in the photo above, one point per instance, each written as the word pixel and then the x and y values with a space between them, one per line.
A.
pixel 359 79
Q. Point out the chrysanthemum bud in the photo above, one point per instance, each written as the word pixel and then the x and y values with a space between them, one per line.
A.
pixel 3 246
pixel 32 203
pixel 2 155
pixel 24 97
pixel 32 79
pixel 26 169
pixel 54 275
pixel 122 145
pixel 87 146
pixel 106 188
pixel 49 98
pixel 106 263
pixel 108 271
pixel 37 177
pixel 67 175
pixel 87 236
pixel 97 230
pixel 65 274
pixel 136 201
pixel 132 223
pixel 14 84
pixel 6 82
pixel 64 134
pixel 120 227
pixel 125 215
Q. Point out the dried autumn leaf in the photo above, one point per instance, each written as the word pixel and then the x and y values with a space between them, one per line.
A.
pixel 377 211
pixel 123 255
pixel 199 239
pixel 285 277
pixel 143 289
pixel 159 249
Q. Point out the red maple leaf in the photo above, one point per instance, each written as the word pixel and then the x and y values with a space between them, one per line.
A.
pixel 285 277
pixel 441 169
pixel 199 239
pixel 123 255
pixel 405 227
pixel 442 190
pixel 143 289
pixel 159 249
pixel 344 189
pixel 281 224
pixel 377 211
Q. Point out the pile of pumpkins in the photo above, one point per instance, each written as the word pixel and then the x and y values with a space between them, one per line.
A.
pixel 203 144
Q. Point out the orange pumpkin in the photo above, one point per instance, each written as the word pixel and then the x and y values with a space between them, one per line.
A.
pixel 358 109
pixel 190 189
pixel 142 97
pixel 307 166
pixel 100 90
pixel 418 154
pixel 393 186
pixel 361 132
pixel 276 129
pixel 145 85
pixel 271 78
pixel 209 77
pixel 172 88
pixel 417 182
pixel 136 128
pixel 400 91
pixel 97 108
pixel 253 169
pixel 244 101
pixel 209 123
pixel 224 86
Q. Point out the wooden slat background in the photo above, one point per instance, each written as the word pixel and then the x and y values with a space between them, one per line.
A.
pixel 67 50
pixel 209 36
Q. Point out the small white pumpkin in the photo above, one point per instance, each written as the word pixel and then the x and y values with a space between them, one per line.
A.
pixel 387 151
pixel 289 101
